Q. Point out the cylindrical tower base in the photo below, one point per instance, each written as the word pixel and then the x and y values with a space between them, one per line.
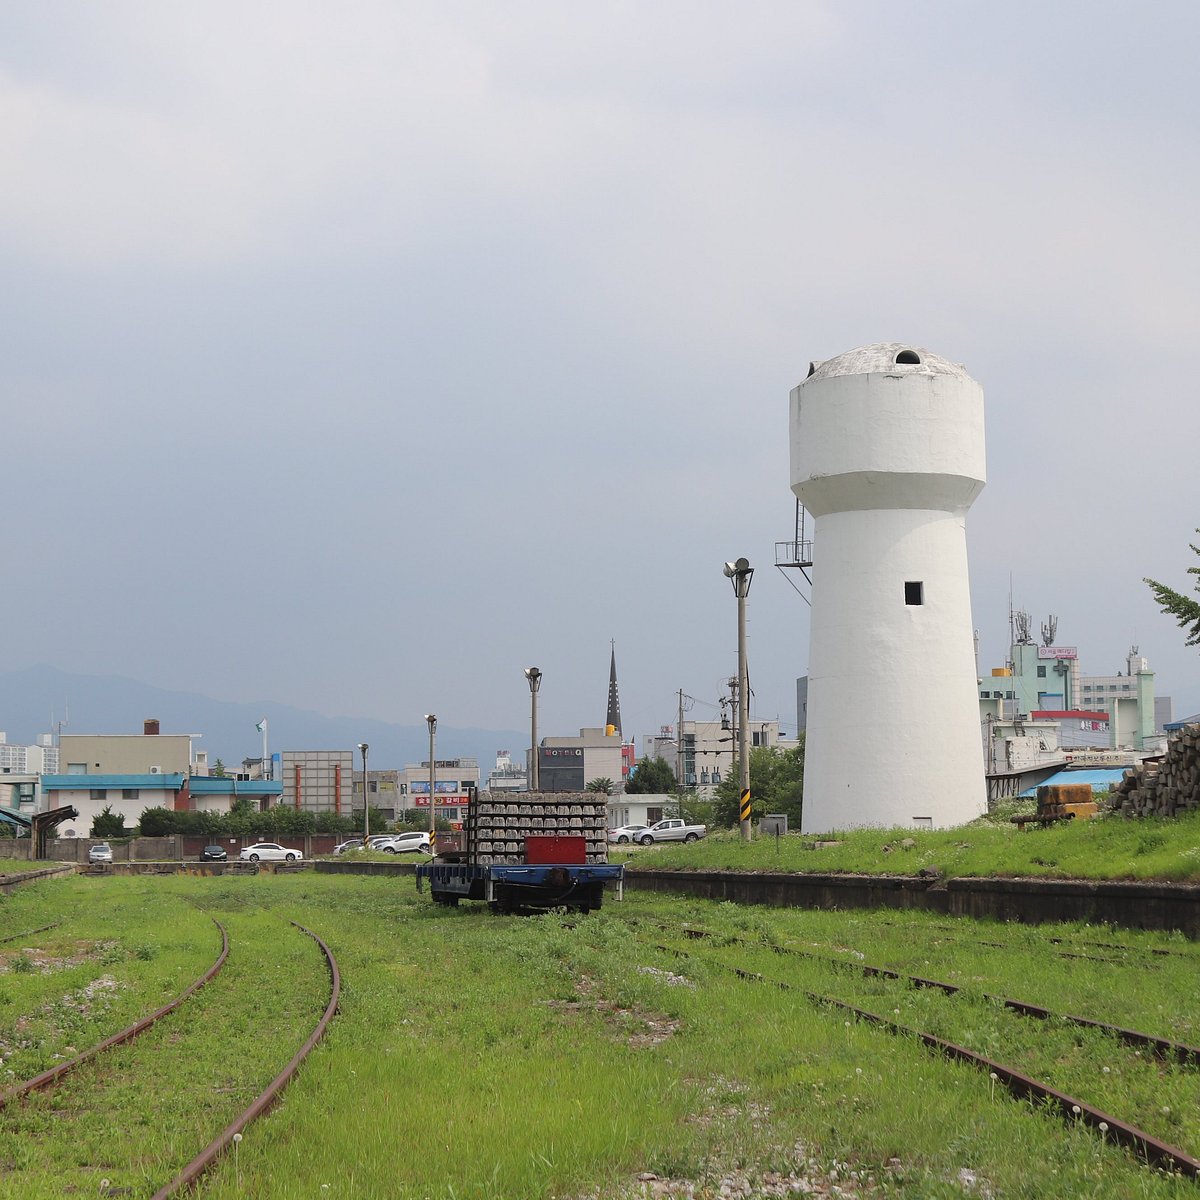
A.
pixel 893 732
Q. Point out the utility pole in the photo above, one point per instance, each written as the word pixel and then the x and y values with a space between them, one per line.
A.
pixel 740 573
pixel 679 744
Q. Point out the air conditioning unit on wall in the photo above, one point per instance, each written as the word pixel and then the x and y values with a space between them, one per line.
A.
pixel 156 770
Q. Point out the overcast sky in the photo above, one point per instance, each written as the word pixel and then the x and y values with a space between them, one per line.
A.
pixel 357 355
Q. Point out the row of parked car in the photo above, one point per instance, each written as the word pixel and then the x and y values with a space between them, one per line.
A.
pixel 391 843
pixel 671 830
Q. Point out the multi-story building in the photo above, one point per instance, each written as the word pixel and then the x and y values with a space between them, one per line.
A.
pixel 386 790
pixel 147 753
pixel 128 773
pixel 453 781
pixel 707 750
pixel 1044 683
pixel 569 764
pixel 318 781
pixel 38 759
pixel 507 776
pixel 1101 692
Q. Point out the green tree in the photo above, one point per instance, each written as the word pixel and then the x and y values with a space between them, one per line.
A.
pixel 1184 609
pixel 602 786
pixel 653 777
pixel 158 822
pixel 109 824
pixel 219 769
pixel 776 786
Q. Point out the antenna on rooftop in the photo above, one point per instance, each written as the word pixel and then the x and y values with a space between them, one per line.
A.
pixel 1022 622
pixel 1049 629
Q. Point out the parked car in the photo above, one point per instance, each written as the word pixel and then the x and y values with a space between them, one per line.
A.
pixel 100 852
pixel 671 830
pixel 405 843
pixel 213 854
pixel 624 834
pixel 269 852
pixel 348 844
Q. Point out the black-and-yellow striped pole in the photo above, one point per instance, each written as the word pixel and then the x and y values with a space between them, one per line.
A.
pixel 740 573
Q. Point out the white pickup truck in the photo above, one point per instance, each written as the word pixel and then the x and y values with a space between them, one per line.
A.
pixel 671 830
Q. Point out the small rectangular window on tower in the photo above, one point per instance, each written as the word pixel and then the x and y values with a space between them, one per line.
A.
pixel 914 592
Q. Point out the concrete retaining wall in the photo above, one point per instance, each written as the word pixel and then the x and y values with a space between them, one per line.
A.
pixel 1165 906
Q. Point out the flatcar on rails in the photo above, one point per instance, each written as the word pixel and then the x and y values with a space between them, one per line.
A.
pixel 531 852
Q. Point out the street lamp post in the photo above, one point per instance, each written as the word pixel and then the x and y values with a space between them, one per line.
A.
pixel 740 573
pixel 535 681
pixel 431 721
pixel 366 806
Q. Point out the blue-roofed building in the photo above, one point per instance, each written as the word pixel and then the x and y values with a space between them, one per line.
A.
pixel 1100 780
pixel 217 793
pixel 1172 726
pixel 125 794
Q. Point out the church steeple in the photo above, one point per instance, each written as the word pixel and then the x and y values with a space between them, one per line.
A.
pixel 614 701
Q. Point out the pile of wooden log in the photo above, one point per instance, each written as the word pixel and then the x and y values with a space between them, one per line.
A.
pixel 1165 786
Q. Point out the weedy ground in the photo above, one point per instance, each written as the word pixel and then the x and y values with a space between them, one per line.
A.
pixel 570 1058
pixel 1107 847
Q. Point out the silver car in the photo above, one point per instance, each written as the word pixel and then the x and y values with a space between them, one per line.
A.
pixel 269 852
pixel 405 843
pixel 101 852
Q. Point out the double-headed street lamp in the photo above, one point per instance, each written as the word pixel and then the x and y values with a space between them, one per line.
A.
pixel 431 721
pixel 366 806
pixel 535 681
pixel 740 573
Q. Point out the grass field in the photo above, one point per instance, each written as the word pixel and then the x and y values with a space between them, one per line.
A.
pixel 531 1058
pixel 1110 847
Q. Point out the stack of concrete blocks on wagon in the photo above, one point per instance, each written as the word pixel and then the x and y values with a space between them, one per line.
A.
pixel 497 828
pixel 536 850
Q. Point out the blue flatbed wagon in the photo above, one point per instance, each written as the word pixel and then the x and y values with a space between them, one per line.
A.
pixel 507 887
pixel 526 852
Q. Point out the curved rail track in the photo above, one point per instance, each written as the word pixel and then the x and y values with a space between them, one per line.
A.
pixel 211 1154
pixel 46 1078
pixel 220 1144
pixel 1071 1109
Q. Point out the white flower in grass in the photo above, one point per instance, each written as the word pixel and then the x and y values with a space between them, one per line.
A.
pixel 1103 1126
pixel 1104 1070
pixel 1075 1109
pixel 1166 1111
pixel 237 1137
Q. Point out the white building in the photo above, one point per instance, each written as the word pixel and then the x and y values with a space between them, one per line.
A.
pixel 38 759
pixel 707 750
pixel 507 776
pixel 887 455
pixel 454 779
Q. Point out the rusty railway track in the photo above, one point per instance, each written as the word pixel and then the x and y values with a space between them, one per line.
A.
pixel 16 937
pixel 188 1177
pixel 211 1154
pixel 46 1078
pixel 1072 1110
pixel 1160 1048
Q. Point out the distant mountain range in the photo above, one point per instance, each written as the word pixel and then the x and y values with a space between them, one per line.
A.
pixel 112 704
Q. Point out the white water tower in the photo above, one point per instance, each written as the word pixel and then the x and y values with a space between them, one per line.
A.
pixel 887 455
